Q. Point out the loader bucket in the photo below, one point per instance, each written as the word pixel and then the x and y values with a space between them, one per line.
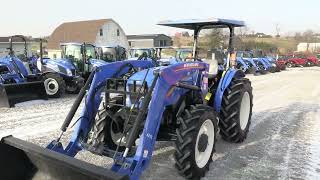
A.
pixel 25 161
pixel 11 94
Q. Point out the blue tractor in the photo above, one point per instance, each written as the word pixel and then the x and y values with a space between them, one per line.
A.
pixel 111 53
pixel 244 63
pixel 129 105
pixel 77 61
pixel 262 62
pixel 18 83
pixel 256 64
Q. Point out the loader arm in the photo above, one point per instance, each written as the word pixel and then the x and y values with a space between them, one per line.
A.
pixel 92 102
pixel 169 79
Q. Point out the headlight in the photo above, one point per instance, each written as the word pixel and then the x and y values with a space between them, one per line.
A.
pixel 69 72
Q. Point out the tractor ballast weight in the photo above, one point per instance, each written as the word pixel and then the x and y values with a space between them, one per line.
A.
pixel 182 98
pixel 16 85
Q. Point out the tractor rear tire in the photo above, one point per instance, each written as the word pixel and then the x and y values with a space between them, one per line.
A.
pixel 236 111
pixel 196 138
pixel 102 128
pixel 55 85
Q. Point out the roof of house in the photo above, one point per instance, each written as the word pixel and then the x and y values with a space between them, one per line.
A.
pixel 145 36
pixel 79 31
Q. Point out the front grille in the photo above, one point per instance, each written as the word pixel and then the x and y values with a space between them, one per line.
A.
pixel 126 89
pixel 73 71
pixel 62 69
pixel 137 90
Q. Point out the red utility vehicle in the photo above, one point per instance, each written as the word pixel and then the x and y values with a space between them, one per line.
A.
pixel 305 60
pixel 282 62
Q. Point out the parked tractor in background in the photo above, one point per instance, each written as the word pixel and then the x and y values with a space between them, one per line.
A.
pixel 253 65
pixel 296 61
pixel 129 105
pixel 66 79
pixel 281 62
pixel 76 63
pixel 310 60
pixel 18 83
pixel 111 53
pixel 138 53
pixel 246 64
pixel 263 61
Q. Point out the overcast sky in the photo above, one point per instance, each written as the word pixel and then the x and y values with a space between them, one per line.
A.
pixel 41 17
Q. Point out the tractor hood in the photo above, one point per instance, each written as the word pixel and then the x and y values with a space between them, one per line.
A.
pixel 139 76
pixel 7 60
pixel 168 61
pixel 61 66
pixel 97 62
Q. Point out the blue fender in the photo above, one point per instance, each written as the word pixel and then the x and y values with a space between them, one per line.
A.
pixel 9 62
pixel 225 81
pixel 265 65
pixel 243 63
pixel 252 62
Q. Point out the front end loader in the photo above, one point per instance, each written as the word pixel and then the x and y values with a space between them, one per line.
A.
pixel 16 84
pixel 129 105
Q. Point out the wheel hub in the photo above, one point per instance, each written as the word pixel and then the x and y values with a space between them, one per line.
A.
pixel 203 143
pixel 51 85
pixel 244 110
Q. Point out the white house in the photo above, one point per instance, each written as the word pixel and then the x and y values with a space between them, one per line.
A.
pixel 311 47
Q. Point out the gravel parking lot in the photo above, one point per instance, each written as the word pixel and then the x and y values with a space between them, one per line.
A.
pixel 283 141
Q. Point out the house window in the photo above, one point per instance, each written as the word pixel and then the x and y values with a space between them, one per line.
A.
pixel 162 43
pixel 118 32
pixel 130 43
pixel 101 32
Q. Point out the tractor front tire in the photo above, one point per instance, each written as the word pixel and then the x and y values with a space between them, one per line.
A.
pixel 251 70
pixel 263 71
pixel 196 138
pixel 55 85
pixel 102 128
pixel 290 65
pixel 236 111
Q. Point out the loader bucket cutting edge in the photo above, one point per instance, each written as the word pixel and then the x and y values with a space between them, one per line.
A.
pixel 11 94
pixel 23 160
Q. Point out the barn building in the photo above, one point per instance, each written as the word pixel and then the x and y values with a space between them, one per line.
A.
pixel 102 32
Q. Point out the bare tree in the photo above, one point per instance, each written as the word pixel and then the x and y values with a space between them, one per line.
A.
pixel 308 37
